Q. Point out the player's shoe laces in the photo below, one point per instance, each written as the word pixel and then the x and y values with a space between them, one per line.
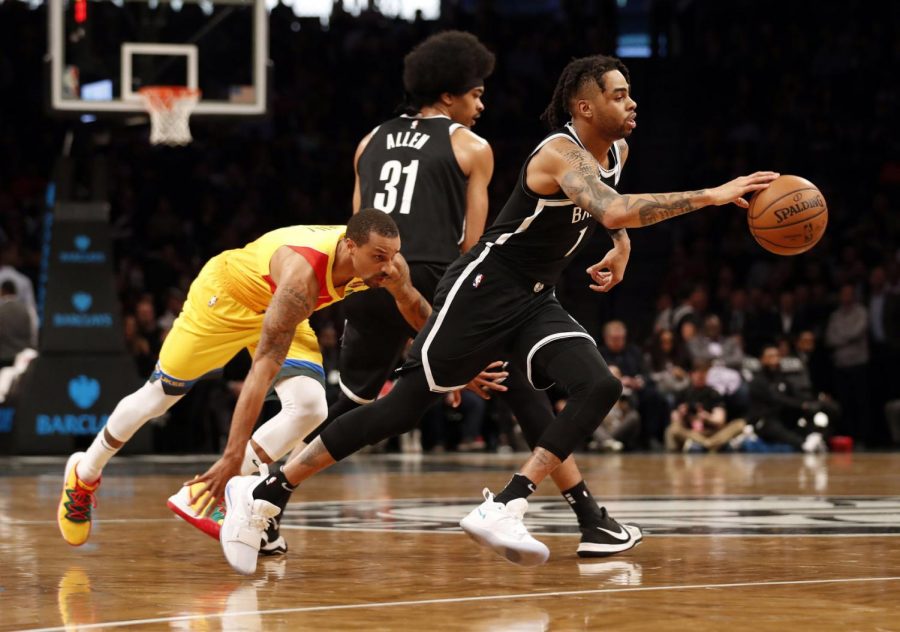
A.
pixel 500 527
pixel 202 514
pixel 604 536
pixel 273 543
pixel 246 521
pixel 75 504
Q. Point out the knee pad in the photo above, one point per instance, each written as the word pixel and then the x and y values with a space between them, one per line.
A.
pixel 303 399
pixel 303 408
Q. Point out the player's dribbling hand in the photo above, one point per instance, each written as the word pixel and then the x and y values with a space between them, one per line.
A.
pixel 734 190
pixel 610 271
pixel 216 477
pixel 491 379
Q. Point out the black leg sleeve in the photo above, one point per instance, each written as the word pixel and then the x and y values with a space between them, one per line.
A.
pixel 531 407
pixel 397 412
pixel 576 365
pixel 343 405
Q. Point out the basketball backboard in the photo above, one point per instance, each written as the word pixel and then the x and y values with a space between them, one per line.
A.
pixel 101 52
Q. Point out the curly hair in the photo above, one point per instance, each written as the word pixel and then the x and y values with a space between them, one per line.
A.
pixel 450 61
pixel 578 73
pixel 370 220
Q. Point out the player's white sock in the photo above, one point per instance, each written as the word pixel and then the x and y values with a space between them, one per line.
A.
pixel 130 414
pixel 251 461
pixel 98 455
pixel 303 408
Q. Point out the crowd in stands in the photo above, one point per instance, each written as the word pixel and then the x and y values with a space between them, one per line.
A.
pixel 719 344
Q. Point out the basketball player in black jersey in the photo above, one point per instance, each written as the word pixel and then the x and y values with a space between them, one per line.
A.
pixel 498 300
pixel 430 173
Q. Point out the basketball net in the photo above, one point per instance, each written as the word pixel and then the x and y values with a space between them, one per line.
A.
pixel 170 109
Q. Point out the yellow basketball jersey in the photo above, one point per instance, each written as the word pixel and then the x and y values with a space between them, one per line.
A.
pixel 246 270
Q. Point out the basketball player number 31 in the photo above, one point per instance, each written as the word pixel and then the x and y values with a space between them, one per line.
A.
pixel 391 173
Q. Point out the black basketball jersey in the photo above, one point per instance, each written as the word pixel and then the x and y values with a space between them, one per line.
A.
pixel 539 236
pixel 409 170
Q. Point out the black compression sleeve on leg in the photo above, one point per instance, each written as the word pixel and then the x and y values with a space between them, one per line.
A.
pixel 397 412
pixel 343 405
pixel 531 407
pixel 576 365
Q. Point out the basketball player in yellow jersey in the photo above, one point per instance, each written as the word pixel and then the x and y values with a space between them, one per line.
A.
pixel 258 297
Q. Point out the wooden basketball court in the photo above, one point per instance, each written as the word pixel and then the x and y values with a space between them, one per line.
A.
pixel 733 542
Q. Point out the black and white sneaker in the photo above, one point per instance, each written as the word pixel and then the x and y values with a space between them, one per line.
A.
pixel 273 543
pixel 605 536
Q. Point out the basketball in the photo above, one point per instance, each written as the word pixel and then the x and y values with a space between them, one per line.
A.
pixel 789 217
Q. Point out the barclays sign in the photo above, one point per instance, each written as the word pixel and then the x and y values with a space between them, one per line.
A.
pixel 82 252
pixel 84 392
pixel 82 302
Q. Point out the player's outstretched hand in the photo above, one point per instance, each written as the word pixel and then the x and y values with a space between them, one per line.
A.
pixel 216 477
pixel 735 190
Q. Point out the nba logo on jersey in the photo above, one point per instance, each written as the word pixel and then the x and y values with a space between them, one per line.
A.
pixel 477 281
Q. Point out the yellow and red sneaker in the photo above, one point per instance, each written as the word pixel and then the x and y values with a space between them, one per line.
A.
pixel 203 514
pixel 74 512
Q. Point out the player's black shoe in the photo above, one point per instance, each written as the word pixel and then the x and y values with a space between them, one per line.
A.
pixel 604 536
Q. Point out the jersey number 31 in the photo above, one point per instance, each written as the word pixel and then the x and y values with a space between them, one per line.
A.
pixel 391 173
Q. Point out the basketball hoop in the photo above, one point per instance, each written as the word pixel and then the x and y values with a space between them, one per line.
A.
pixel 170 108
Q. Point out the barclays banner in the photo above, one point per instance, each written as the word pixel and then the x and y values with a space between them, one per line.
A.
pixel 77 394
pixel 69 391
pixel 80 310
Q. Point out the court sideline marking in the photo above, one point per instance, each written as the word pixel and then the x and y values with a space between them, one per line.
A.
pixel 449 600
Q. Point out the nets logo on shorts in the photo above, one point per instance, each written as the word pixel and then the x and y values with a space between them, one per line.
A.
pixel 726 515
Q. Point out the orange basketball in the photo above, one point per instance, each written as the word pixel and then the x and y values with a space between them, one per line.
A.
pixel 789 217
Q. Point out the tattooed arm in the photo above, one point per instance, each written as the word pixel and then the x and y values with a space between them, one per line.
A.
pixel 410 302
pixel 291 304
pixel 609 271
pixel 575 172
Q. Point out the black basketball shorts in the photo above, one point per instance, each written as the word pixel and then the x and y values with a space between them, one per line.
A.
pixel 375 335
pixel 486 311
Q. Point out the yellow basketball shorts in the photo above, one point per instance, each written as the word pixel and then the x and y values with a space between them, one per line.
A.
pixel 213 326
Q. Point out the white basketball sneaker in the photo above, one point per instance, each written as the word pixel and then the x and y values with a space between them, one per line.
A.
pixel 500 527
pixel 246 521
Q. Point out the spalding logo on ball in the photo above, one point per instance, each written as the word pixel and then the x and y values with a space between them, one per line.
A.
pixel 789 217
